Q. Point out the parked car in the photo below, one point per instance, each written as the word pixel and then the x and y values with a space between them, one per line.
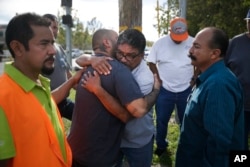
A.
pixel 146 52
pixel 88 52
pixel 76 53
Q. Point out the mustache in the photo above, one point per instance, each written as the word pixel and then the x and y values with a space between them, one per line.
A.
pixel 192 57
pixel 50 58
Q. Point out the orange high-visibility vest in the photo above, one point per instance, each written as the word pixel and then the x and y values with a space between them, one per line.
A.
pixel 33 134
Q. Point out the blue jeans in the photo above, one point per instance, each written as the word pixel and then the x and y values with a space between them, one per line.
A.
pixel 137 157
pixel 164 108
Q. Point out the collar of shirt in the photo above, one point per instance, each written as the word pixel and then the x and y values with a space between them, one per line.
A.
pixel 22 80
pixel 212 69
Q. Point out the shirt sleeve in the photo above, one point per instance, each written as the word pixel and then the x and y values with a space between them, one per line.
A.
pixel 7 147
pixel 152 54
pixel 145 81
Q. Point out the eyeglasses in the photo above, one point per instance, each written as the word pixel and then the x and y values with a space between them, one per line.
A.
pixel 128 56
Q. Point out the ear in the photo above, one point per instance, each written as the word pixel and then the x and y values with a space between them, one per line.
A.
pixel 106 43
pixel 216 53
pixel 17 48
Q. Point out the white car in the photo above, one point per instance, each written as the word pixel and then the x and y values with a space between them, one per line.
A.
pixel 76 52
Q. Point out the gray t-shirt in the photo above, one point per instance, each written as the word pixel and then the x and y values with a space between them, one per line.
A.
pixel 139 131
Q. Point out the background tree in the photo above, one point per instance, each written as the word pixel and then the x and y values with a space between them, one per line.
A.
pixel 61 35
pixel 93 25
pixel 225 14
pixel 167 12
pixel 130 14
pixel 81 34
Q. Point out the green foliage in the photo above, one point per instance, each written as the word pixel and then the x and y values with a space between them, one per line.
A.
pixel 168 158
pixel 167 11
pixel 72 94
pixel 94 25
pixel 225 14
pixel 80 36
pixel 61 37
pixel 149 43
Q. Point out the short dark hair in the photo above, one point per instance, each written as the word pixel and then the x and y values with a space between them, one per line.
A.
pixel 134 38
pixel 19 28
pixel 219 40
pixel 51 17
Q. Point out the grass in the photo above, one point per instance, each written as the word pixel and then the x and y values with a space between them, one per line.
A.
pixel 168 158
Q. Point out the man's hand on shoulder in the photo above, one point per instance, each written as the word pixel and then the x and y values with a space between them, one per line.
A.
pixel 101 64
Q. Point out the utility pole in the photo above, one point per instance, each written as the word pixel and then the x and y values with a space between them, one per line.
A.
pixel 130 14
pixel 183 6
pixel 67 20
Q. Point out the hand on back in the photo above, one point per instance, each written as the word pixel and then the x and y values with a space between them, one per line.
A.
pixel 91 82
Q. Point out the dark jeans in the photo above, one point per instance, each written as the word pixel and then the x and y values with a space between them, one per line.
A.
pixel 164 108
pixel 66 108
pixel 137 157
pixel 247 128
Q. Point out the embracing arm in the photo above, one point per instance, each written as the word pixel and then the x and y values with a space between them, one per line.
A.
pixel 113 105
pixel 141 106
pixel 100 64
pixel 93 84
pixel 137 108
pixel 83 60
pixel 63 90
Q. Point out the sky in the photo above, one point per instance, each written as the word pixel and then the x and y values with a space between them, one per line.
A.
pixel 105 11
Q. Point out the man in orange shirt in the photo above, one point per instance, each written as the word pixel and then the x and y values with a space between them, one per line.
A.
pixel 32 133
